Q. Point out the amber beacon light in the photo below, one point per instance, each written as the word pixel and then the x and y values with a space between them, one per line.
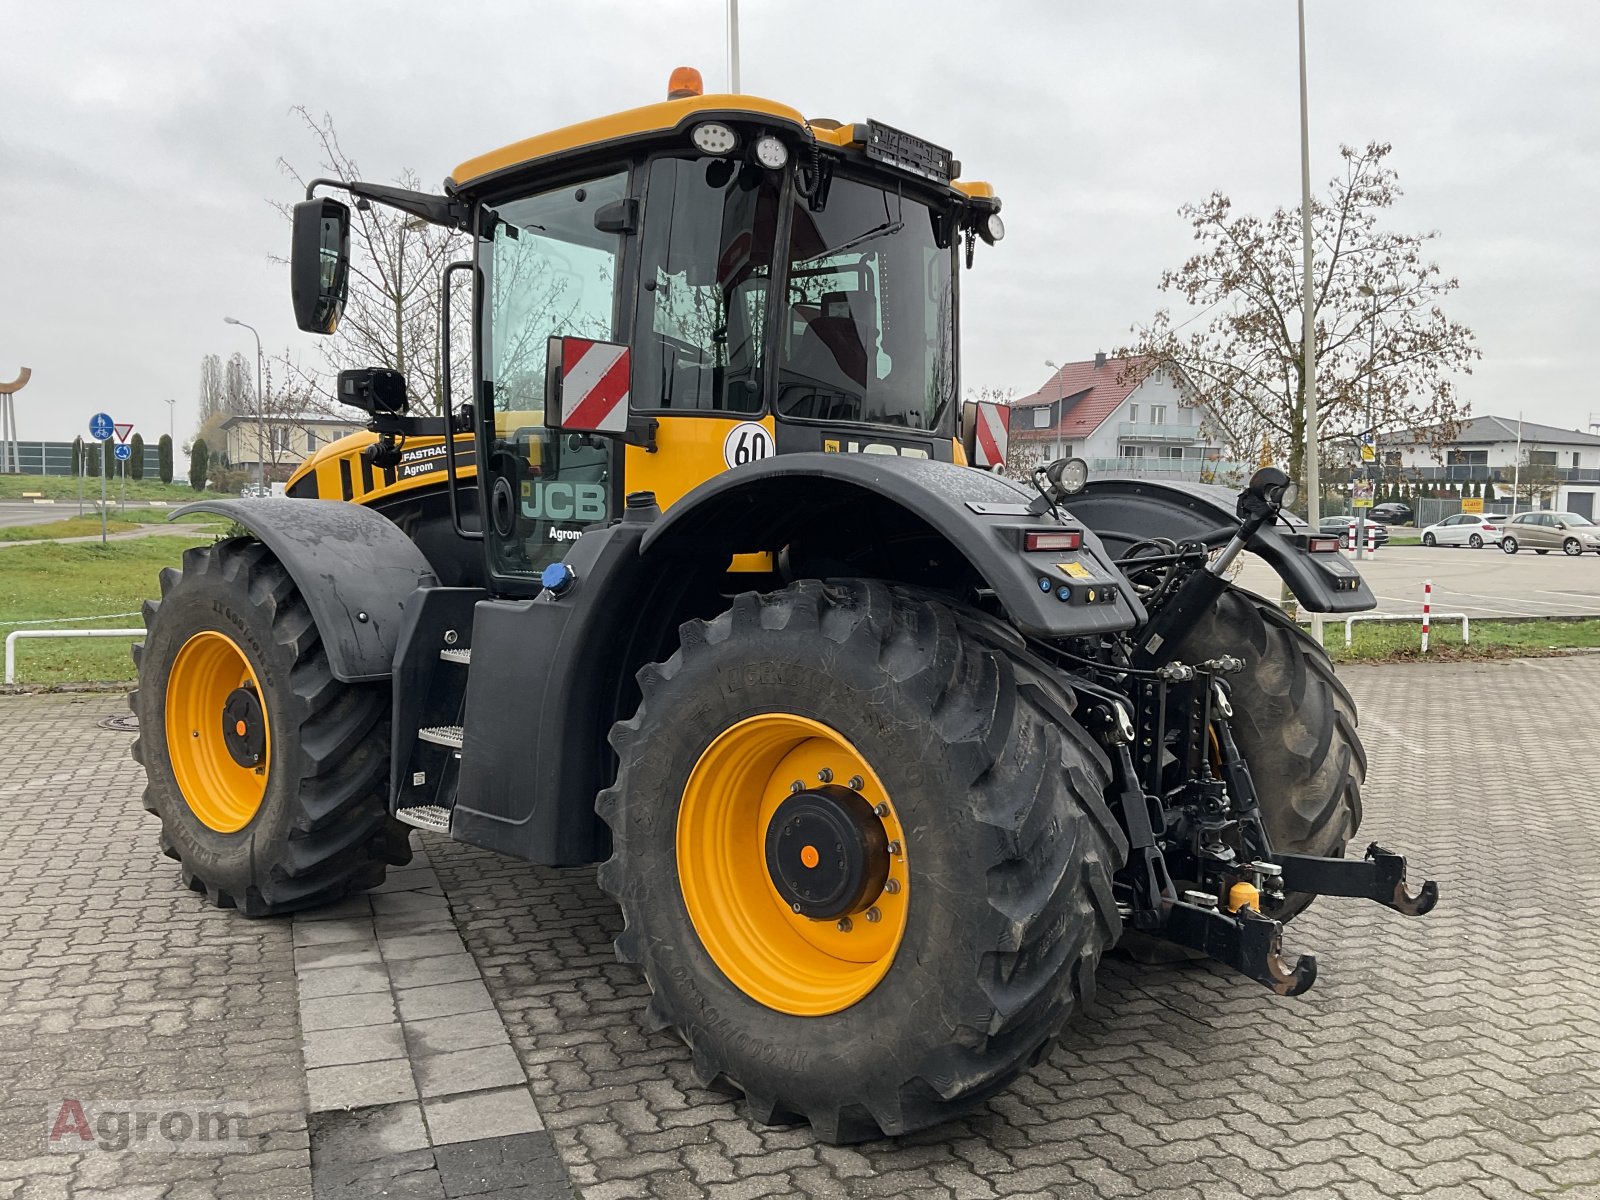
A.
pixel 685 82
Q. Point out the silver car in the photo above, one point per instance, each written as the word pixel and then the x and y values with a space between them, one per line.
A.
pixel 1542 532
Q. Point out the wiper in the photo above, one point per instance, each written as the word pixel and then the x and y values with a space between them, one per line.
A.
pixel 877 231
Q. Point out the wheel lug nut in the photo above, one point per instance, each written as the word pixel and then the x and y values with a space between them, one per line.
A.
pixel 880 809
pixel 873 914
pixel 826 774
pixel 797 786
pixel 891 886
pixel 796 907
pixel 856 783
pixel 894 848
pixel 845 925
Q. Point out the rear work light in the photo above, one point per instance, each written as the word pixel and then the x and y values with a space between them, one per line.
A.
pixel 1322 545
pixel 1055 539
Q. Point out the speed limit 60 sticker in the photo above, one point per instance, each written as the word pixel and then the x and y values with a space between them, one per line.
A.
pixel 747 442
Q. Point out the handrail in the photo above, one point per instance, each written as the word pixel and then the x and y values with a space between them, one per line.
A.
pixel 11 641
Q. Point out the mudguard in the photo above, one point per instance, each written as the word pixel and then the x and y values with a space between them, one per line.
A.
pixel 354 568
pixel 1125 511
pixel 912 519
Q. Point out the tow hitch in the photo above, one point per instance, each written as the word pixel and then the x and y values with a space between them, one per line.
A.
pixel 1381 876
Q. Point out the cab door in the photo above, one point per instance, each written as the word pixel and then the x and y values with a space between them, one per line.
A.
pixel 545 269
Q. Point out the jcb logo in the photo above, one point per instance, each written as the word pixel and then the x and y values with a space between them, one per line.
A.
pixel 851 446
pixel 555 501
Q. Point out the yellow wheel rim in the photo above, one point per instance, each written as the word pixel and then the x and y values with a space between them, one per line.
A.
pixel 772 954
pixel 222 793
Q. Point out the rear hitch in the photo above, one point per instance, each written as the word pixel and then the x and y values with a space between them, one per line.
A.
pixel 1246 941
pixel 1380 876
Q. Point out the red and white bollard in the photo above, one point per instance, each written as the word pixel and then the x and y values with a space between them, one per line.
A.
pixel 1372 540
pixel 1350 538
pixel 1427 608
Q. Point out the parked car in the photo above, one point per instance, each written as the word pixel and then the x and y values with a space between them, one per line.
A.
pixel 1340 526
pixel 1392 512
pixel 1542 532
pixel 1465 529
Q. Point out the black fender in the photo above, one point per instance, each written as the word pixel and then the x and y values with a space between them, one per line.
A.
pixel 1125 511
pixel 907 519
pixel 354 568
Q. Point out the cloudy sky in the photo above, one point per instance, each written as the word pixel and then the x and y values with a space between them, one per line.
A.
pixel 139 145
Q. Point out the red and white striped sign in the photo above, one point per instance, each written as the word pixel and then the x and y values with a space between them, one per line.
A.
pixel 1427 611
pixel 992 425
pixel 594 384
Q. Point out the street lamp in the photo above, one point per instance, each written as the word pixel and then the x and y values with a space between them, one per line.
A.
pixel 172 407
pixel 1308 318
pixel 1061 387
pixel 261 437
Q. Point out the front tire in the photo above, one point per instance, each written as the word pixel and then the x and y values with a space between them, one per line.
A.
pixel 1429 540
pixel 1295 724
pixel 966 749
pixel 1572 547
pixel 268 774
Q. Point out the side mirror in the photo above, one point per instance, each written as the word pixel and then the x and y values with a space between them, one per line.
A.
pixel 586 385
pixel 1561 524
pixel 319 264
pixel 376 390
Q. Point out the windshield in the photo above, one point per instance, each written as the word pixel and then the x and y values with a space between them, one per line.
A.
pixel 1573 519
pixel 870 328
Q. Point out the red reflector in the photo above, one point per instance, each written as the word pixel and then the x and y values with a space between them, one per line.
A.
pixel 1323 545
pixel 1064 539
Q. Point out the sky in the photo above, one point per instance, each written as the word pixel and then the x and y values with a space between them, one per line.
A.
pixel 140 147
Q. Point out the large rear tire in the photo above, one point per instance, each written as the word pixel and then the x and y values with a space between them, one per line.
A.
pixel 984 932
pixel 1295 724
pixel 268 774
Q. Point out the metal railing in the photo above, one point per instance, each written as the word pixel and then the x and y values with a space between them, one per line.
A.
pixel 14 635
pixel 1158 430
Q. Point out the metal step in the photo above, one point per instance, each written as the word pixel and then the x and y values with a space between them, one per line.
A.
pixel 463 655
pixel 425 816
pixel 443 735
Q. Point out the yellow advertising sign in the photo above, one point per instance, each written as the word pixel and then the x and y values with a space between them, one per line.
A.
pixel 1472 506
pixel 1369 452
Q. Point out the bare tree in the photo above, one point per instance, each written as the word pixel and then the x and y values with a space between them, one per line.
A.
pixel 392 317
pixel 1385 349
pixel 210 387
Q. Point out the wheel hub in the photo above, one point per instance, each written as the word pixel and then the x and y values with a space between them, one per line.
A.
pixel 827 853
pixel 244 727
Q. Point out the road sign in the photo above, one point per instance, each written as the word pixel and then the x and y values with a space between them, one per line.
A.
pixel 124 451
pixel 123 431
pixel 1472 506
pixel 101 426
pixel 1369 452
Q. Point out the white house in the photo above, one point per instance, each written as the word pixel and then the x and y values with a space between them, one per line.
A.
pixel 287 439
pixel 1485 449
pixel 1089 410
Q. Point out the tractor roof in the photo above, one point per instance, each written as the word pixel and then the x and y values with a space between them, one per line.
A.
pixel 654 121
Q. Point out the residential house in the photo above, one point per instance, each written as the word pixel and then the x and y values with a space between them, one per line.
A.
pixel 1092 410
pixel 1564 463
pixel 288 439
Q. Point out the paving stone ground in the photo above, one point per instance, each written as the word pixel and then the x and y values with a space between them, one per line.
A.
pixel 1453 1056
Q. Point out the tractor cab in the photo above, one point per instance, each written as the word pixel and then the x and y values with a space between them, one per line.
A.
pixel 744 283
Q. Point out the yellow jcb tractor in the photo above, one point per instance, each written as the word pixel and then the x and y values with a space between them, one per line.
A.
pixel 708 582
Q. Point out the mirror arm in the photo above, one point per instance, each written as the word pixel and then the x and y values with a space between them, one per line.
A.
pixel 436 210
